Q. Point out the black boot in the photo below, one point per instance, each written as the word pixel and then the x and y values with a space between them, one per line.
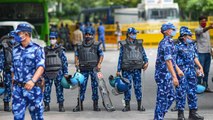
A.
pixel 140 108
pixel 46 107
pixel 61 107
pixel 193 115
pixel 77 108
pixel 181 115
pixel 127 106
pixel 7 107
pixel 95 106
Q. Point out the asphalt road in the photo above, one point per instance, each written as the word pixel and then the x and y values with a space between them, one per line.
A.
pixel 205 101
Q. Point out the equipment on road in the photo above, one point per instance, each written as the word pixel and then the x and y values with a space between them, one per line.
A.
pixel 107 103
pixel 120 84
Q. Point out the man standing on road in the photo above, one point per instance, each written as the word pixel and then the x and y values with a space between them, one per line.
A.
pixel 28 66
pixel 101 35
pixel 204 49
pixel 132 59
pixel 186 59
pixel 165 73
pixel 88 56
pixel 56 67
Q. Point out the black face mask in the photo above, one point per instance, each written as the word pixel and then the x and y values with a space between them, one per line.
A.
pixel 88 38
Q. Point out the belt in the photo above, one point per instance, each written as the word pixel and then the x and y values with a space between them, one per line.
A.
pixel 21 84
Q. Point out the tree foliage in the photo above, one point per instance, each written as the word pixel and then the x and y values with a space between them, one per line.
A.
pixel 189 9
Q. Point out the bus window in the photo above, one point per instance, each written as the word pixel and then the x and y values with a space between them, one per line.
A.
pixel 168 13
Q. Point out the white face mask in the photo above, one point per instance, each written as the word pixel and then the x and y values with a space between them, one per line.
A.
pixel 53 41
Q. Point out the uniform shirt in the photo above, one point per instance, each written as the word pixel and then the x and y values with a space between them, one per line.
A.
pixel 203 40
pixel 100 52
pixel 145 59
pixel 166 51
pixel 26 61
pixel 101 30
pixel 63 60
pixel 186 53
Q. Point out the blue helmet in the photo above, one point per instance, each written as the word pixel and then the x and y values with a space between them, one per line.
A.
pixel 53 35
pixel 167 26
pixel 200 89
pixel 77 78
pixel 185 31
pixel 132 30
pixel 120 84
pixel 23 27
pixel 88 30
pixel 65 83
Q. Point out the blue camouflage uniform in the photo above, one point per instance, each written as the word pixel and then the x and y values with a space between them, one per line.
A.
pixel 132 75
pixel 25 63
pixel 94 82
pixel 163 78
pixel 130 52
pixel 6 70
pixel 186 53
pixel 101 34
pixel 48 82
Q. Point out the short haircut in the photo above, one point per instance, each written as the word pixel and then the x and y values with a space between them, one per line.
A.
pixel 202 17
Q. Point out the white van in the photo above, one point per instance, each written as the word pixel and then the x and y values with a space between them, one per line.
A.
pixel 7 26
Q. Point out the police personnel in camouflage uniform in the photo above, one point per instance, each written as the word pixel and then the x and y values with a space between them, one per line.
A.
pixel 132 59
pixel 88 56
pixel 7 44
pixel 165 72
pixel 186 59
pixel 56 67
pixel 28 66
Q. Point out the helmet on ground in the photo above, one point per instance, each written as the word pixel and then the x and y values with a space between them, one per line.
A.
pixel 200 89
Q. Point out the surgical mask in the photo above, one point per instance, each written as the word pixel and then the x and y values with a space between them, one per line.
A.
pixel 53 41
pixel 88 38
pixel 188 40
pixel 203 24
pixel 132 36
pixel 173 33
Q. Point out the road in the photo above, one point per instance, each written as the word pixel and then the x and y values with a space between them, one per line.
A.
pixel 205 101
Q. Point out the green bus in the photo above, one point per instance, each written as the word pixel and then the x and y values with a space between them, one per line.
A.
pixel 32 11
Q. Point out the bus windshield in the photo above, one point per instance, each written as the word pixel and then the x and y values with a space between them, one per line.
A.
pixel 169 13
